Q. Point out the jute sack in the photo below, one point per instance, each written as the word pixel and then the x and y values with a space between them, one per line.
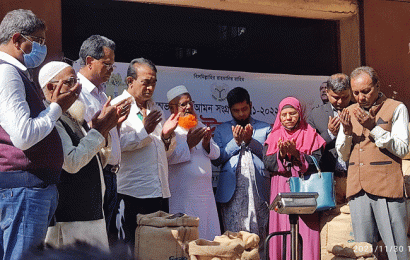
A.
pixel 405 166
pixel 332 257
pixel 381 249
pixel 354 250
pixel 406 174
pixel 240 245
pixel 340 190
pixel 250 242
pixel 335 228
pixel 201 249
pixel 161 235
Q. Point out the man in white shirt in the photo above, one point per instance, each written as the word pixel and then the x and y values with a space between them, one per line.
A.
pixel 30 148
pixel 97 63
pixel 374 136
pixel 190 168
pixel 146 140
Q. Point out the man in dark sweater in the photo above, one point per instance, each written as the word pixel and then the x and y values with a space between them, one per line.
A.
pixel 31 155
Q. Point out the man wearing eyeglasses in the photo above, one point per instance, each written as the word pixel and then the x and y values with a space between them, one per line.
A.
pixel 374 137
pixel 30 147
pixel 190 168
pixel 146 141
pixel 97 64
pixel 79 214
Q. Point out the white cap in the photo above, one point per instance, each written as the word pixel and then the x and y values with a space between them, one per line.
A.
pixel 176 91
pixel 49 71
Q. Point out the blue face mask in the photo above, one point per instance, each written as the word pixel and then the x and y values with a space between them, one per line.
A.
pixel 36 56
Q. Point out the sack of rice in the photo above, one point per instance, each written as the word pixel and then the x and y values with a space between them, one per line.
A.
pixel 161 235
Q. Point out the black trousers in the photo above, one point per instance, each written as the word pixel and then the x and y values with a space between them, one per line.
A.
pixel 110 196
pixel 133 207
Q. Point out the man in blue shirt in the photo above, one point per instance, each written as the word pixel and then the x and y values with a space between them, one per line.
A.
pixel 243 186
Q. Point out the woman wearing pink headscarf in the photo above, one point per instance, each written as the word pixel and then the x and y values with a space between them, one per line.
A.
pixel 286 154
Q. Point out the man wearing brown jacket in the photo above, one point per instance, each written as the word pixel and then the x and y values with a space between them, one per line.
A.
pixel 374 136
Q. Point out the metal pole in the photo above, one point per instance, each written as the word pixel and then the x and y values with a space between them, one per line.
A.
pixel 294 236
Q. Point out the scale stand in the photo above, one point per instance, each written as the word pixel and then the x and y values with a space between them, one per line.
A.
pixel 292 204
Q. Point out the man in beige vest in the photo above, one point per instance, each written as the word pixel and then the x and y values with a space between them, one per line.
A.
pixel 374 137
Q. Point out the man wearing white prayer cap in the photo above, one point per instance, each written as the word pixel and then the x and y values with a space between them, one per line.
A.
pixel 49 71
pixel 190 169
pixel 146 141
pixel 175 92
pixel 79 214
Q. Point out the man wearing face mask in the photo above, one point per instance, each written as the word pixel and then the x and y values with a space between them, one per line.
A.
pixel 243 187
pixel 30 147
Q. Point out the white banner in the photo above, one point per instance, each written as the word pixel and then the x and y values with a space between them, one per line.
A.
pixel 208 88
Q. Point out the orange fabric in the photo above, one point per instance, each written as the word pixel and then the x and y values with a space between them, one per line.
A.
pixel 188 121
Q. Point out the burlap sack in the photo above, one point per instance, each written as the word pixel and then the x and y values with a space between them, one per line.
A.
pixel 405 166
pixel 381 251
pixel 406 174
pixel 250 243
pixel 240 245
pixel 201 249
pixel 340 190
pixel 335 228
pixel 352 250
pixel 407 157
pixel 159 237
pixel 250 240
pixel 332 257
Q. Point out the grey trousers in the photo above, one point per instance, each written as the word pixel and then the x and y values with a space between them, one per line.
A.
pixel 373 216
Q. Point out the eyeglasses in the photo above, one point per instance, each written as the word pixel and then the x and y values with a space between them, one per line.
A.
pixel 39 40
pixel 69 82
pixel 109 66
pixel 185 104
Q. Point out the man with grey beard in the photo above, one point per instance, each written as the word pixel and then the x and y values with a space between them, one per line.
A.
pixel 79 213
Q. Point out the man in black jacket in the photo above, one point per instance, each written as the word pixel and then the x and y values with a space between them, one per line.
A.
pixel 325 119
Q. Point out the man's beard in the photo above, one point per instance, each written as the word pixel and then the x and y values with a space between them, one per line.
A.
pixel 77 111
pixel 242 122
pixel 187 121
